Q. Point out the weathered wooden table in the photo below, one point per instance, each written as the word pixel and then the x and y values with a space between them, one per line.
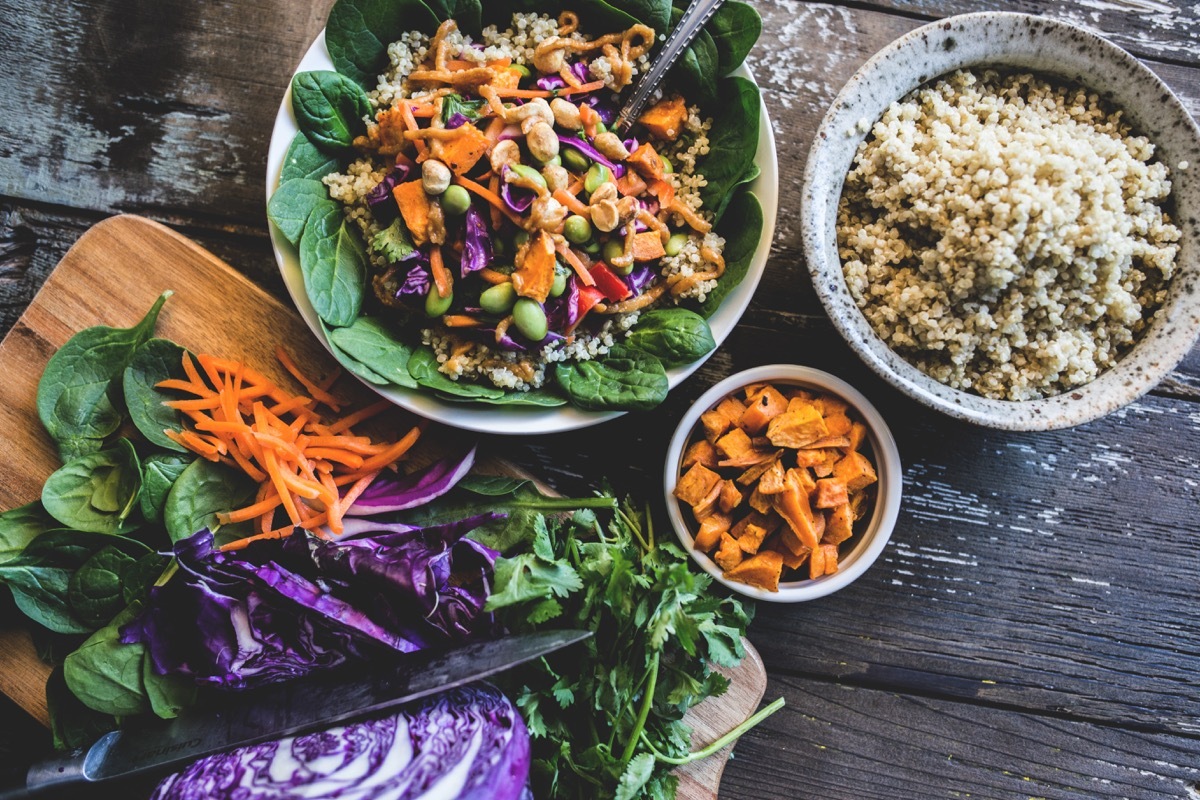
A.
pixel 1032 630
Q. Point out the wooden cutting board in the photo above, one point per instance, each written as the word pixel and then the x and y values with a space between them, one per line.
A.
pixel 112 276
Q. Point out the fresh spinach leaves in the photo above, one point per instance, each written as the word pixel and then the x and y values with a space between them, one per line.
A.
pixel 732 142
pixel 107 675
pixel 200 491
pixel 358 32
pixel 674 336
pixel 696 71
pixel 159 473
pixel 734 28
pixel 97 492
pixel 96 591
pixel 20 526
pixel 624 380
pixel 79 391
pixel 370 343
pixel 304 159
pixel 294 202
pixel 742 227
pixel 156 360
pixel 467 13
pixel 330 108
pixel 333 263
pixel 423 367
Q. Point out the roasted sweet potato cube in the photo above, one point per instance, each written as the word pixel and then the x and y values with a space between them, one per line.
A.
pixel 761 408
pixel 752 538
pixel 760 502
pixel 534 277
pixel 755 472
pixel 647 162
pixel 715 424
pixel 855 471
pixel 825 468
pixel 731 496
pixel 797 393
pixel 391 130
pixel 761 570
pixel 772 481
pixel 807 481
pixel 792 504
pixel 829 442
pixel 648 246
pixel 462 152
pixel 734 444
pixel 709 504
pixel 791 543
pixel 695 484
pixel 809 458
pixel 729 553
pixel 857 435
pixel 664 119
pixel 858 504
pixel 750 458
pixel 817 565
pixel 732 408
pixel 840 525
pixel 830 493
pixel 831 557
pixel 796 427
pixel 752 389
pixel 832 406
pixel 414 208
pixel 710 531
pixel 838 424
pixel 700 451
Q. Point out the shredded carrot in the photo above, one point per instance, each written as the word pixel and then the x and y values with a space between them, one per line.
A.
pixel 531 93
pixel 310 386
pixel 576 187
pixel 421 110
pixel 441 276
pixel 410 123
pixel 581 271
pixel 573 203
pixel 492 276
pixel 490 196
pixel 459 321
pixel 494 188
pixel 590 117
pixel 494 128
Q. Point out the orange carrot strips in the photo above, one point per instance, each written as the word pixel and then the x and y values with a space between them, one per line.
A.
pixel 490 196
pixel 581 271
pixel 573 203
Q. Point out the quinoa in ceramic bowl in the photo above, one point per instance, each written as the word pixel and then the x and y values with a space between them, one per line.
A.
pixel 999 218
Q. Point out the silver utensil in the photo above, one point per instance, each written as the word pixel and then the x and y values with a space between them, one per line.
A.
pixel 690 24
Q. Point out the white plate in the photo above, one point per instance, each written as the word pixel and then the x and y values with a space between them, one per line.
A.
pixel 506 419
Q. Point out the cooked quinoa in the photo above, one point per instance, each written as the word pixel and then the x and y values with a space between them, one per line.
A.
pixel 1005 234
pixel 466 358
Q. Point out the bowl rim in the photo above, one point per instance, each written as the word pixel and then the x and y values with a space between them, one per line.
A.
pixel 872 540
pixel 506 420
pixel 1113 388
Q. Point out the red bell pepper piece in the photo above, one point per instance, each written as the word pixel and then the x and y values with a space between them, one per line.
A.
pixel 608 282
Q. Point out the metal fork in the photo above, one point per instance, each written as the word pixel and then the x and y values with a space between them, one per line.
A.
pixel 690 24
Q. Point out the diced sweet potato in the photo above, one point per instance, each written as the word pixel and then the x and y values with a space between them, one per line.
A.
pixel 840 525
pixel 506 79
pixel 809 458
pixel 761 408
pixel 700 451
pixel 816 562
pixel 648 246
pixel 391 130
pixel 631 184
pixel 825 468
pixel 792 504
pixel 796 427
pixel 828 442
pixel 535 275
pixel 791 542
pixel 761 570
pixel 769 522
pixel 798 398
pixel 695 484
pixel 710 531
pixel 830 493
pixel 830 553
pixel 729 553
pixel 807 481
pixel 414 208
pixel 858 434
pixel 831 406
pixel 731 496
pixel 791 560
pixel 858 504
pixel 732 408
pixel 752 389
pixel 462 152
pixel 664 119
pixel 838 424
pixel 755 472
pixel 855 471
pixel 734 444
pixel 715 424
pixel 760 502
pixel 750 458
pixel 708 505
pixel 772 481
pixel 647 162
pixel 752 538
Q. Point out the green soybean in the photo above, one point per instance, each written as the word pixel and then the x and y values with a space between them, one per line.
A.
pixel 625 270
pixel 521 70
pixel 520 238
pixel 591 248
pixel 560 283
pixel 597 176
pixel 612 249
pixel 435 304
pixel 668 167
pixel 528 174
pixel 573 160
pixel 530 319
pixel 455 201
pixel 577 229
pixel 498 299
pixel 674 245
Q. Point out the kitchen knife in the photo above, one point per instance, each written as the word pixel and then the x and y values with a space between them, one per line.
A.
pixel 280 710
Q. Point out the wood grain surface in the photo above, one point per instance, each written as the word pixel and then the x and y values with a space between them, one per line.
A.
pixel 109 277
pixel 1032 629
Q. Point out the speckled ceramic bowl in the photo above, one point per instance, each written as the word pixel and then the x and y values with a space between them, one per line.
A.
pixel 1055 49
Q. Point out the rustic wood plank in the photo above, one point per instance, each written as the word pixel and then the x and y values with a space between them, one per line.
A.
pixel 841 742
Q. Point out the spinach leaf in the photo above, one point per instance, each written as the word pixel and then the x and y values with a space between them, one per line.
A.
pixel 358 32
pixel 294 202
pixel 96 492
pixel 741 227
pixel 655 13
pixel 40 577
pixel 168 694
pixel 78 393
pixel 333 263
pixel 330 109
pixel 106 675
pixel 534 397
pixel 734 28
pixel 674 336
pixel 156 360
pixel 423 367
pixel 625 380
pixel 20 526
pixel 159 472
pixel 72 724
pixel 696 71
pixel 467 13
pixel 304 159
pixel 371 343
pixel 732 142
pixel 203 489
pixel 139 576
pixel 95 591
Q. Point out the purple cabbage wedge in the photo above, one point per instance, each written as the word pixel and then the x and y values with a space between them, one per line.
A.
pixel 416 283
pixel 380 197
pixel 468 744
pixel 477 243
pixel 389 493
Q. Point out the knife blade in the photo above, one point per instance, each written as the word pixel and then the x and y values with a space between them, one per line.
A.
pixel 285 709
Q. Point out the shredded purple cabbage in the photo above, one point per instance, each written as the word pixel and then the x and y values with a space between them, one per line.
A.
pixel 517 198
pixel 477 243
pixel 416 282
pixel 641 277
pixel 562 313
pixel 457 120
pixel 389 493
pixel 607 111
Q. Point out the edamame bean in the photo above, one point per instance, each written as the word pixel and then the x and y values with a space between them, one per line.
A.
pixel 435 304
pixel 498 299
pixel 577 229
pixel 612 249
pixel 625 270
pixel 668 167
pixel 530 319
pixel 601 127
pixel 674 245
pixel 592 248
pixel 456 201
pixel 597 176
pixel 529 174
pixel 521 70
pixel 520 238
pixel 560 283
pixel 573 160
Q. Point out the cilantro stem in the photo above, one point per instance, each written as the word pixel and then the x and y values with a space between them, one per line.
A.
pixel 639 729
pixel 707 751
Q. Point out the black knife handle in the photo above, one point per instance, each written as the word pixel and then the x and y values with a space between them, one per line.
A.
pixel 51 777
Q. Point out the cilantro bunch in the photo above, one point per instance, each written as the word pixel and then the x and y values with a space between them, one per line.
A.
pixel 605 718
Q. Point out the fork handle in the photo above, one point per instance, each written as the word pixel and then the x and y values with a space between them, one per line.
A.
pixel 690 24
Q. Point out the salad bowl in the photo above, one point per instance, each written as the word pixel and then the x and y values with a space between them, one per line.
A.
pixel 510 419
